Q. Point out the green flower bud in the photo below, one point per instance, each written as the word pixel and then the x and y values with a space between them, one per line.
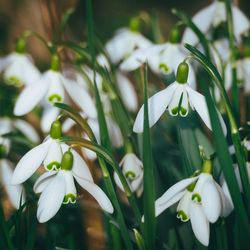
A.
pixel 21 45
pixel 182 73
pixel 55 62
pixel 67 161
pixel 56 130
pixel 174 35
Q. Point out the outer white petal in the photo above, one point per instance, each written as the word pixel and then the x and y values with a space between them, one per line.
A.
pixel 49 115
pixel 51 198
pixel 114 132
pixel 43 181
pixel 211 201
pixel 199 103
pixel 246 70
pixel 80 168
pixel 15 192
pixel 89 154
pixel 203 19
pixel 157 104
pixel 5 126
pixel 240 21
pixel 199 223
pixel 80 96
pixel 118 181
pixel 30 162
pixel 27 130
pixel 97 193
pixel 4 62
pixel 175 189
pixel 103 61
pixel 127 91
pixel 31 96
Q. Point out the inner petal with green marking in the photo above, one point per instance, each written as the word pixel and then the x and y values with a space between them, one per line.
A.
pixel 69 198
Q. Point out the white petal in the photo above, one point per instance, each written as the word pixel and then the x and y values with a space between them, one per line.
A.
pixel 43 181
pixel 97 193
pixel 30 162
pixel 199 103
pixel 246 70
pixel 31 96
pixel 240 21
pixel 184 206
pixel 118 181
pixel 49 115
pixel 15 192
pixel 4 62
pixel 130 163
pixel 89 154
pixel 211 201
pixel 157 104
pixel 80 168
pixel 175 189
pixel 81 97
pixel 67 125
pixel 127 91
pixel 54 156
pixel 203 19
pixel 27 130
pixel 137 183
pixel 175 100
pixel 70 193
pixel 5 126
pixel 51 199
pixel 114 132
pixel 103 61
pixel 199 223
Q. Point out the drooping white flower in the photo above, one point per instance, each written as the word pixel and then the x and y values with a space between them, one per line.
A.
pixel 8 125
pixel 52 86
pixel 170 97
pixel 58 187
pixel 124 43
pixel 18 69
pixel 49 153
pixel 132 168
pixel 201 200
pixel 212 16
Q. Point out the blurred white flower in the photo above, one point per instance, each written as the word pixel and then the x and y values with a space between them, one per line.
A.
pixel 124 43
pixel 19 69
pixel 52 86
pixel 132 169
pixel 170 97
pixel 58 187
pixel 212 16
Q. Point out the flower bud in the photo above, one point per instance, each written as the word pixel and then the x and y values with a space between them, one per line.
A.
pixel 182 73
pixel 67 161
pixel 56 130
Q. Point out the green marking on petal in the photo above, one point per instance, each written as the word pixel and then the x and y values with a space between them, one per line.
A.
pixel 174 111
pixel 54 165
pixel 183 111
pixel 196 197
pixel 14 80
pixel 130 174
pixel 54 98
pixel 182 216
pixel 69 198
pixel 164 67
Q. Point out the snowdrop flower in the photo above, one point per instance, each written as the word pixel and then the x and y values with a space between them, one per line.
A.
pixel 162 58
pixel 52 86
pixel 103 61
pixel 200 199
pixel 18 67
pixel 124 42
pixel 58 187
pixel 7 125
pixel 49 153
pixel 15 192
pixel 212 16
pixel 170 97
pixel 132 168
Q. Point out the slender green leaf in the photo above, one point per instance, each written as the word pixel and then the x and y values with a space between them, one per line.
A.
pixel 148 177
pixel 139 240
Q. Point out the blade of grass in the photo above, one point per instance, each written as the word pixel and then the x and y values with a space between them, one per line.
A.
pixel 148 177
pixel 225 160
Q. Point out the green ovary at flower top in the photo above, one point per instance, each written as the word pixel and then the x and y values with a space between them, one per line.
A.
pixel 170 98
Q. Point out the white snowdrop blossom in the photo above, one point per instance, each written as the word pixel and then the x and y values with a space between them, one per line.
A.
pixel 58 187
pixel 211 17
pixel 170 97
pixel 243 68
pixel 124 42
pixel 200 199
pixel 18 69
pixel 49 153
pixel 52 86
pixel 132 168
